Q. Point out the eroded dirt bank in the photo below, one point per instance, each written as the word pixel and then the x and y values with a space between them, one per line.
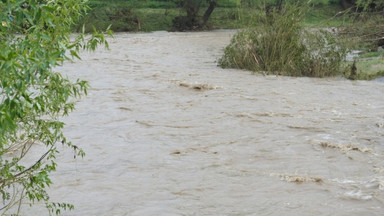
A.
pixel 166 132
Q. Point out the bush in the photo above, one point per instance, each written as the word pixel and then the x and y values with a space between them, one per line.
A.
pixel 279 44
pixel 34 39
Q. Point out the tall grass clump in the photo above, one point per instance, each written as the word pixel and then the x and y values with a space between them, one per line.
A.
pixel 277 43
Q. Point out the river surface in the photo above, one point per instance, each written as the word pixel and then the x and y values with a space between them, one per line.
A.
pixel 167 132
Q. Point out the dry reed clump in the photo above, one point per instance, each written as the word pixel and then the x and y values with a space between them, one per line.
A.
pixel 345 147
pixel 298 179
pixel 279 44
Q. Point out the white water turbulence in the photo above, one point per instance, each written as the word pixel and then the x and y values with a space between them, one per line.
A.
pixel 167 132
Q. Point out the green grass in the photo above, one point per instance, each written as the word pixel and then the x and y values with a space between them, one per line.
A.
pixel 370 68
pixel 372 54
pixel 324 16
pixel 132 4
pixel 231 18
pixel 124 18
pixel 154 3
pixel 121 19
pixel 152 19
pixel 158 15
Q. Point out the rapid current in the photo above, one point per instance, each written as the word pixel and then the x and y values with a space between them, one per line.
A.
pixel 167 132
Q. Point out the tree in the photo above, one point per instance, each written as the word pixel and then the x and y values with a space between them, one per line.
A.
pixel 192 21
pixel 34 38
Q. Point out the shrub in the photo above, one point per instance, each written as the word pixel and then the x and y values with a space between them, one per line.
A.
pixel 35 38
pixel 279 44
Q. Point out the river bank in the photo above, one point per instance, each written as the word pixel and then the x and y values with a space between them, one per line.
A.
pixel 128 16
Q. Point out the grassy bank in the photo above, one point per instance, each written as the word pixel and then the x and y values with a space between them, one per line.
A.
pixel 154 16
pixel 370 68
pixel 155 19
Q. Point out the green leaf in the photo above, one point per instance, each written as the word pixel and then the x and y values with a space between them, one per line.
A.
pixel 33 96
pixel 74 54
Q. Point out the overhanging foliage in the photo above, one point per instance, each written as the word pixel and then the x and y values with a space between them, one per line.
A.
pixel 35 38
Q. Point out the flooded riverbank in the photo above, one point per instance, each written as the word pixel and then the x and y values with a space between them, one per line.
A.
pixel 167 132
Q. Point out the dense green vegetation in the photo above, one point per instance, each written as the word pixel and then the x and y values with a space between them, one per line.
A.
pixel 34 38
pixel 281 45
pixel 152 15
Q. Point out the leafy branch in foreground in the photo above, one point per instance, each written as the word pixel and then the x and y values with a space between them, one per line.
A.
pixel 35 38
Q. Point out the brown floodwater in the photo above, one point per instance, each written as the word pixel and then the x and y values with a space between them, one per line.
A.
pixel 167 132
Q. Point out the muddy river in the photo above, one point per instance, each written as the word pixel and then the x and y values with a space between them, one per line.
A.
pixel 167 132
